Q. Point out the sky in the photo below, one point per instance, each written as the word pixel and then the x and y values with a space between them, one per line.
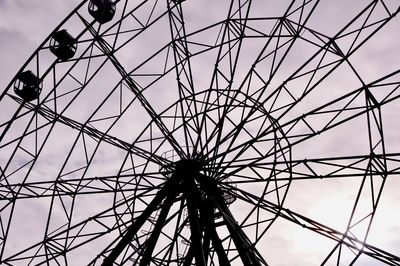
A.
pixel 25 24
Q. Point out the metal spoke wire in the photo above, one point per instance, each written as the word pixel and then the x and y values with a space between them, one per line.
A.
pixel 179 132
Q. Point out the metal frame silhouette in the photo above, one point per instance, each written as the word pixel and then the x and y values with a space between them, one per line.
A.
pixel 192 191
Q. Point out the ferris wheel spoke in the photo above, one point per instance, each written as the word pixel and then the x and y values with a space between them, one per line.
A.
pixel 107 50
pixel 24 190
pixel 226 65
pixel 311 79
pixel 371 171
pixel 17 175
pixel 357 246
pixel 81 186
pixel 218 115
pixel 95 133
pixel 9 205
pixel 279 34
pixel 74 234
pixel 365 101
pixel 186 86
pixel 66 193
pixel 230 42
pixel 335 113
pixel 147 80
pixel 374 165
pixel 344 44
pixel 123 203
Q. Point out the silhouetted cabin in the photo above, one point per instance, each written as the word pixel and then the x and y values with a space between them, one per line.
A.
pixel 27 86
pixel 63 45
pixel 228 198
pixel 102 10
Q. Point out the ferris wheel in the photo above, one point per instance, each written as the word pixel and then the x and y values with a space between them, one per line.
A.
pixel 172 132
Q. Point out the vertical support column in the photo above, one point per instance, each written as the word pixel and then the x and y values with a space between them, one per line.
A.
pixel 137 224
pixel 189 257
pixel 152 241
pixel 247 252
pixel 203 226
pixel 210 230
pixel 190 193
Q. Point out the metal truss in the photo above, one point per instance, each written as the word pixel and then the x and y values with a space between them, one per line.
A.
pixel 152 138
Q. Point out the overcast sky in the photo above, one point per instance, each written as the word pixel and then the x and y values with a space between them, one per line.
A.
pixel 24 24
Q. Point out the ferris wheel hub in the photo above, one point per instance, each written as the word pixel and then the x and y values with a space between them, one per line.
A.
pixel 188 168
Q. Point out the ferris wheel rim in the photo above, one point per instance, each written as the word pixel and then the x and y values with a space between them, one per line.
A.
pixel 274 208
